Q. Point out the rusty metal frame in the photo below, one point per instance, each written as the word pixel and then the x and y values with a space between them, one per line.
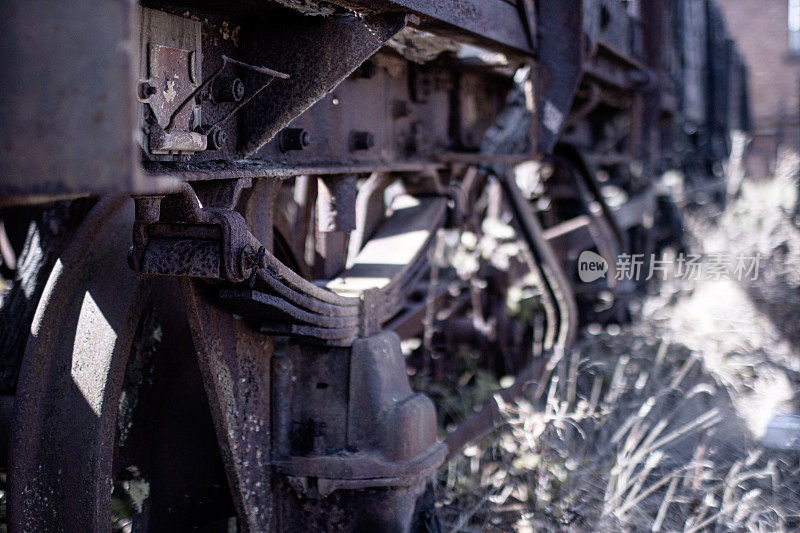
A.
pixel 485 22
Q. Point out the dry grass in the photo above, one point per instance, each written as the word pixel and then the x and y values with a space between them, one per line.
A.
pixel 656 426
pixel 643 441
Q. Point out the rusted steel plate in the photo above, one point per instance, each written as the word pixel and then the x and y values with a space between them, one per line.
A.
pixel 317 53
pixel 484 21
pixel 67 106
pixel 172 81
pixel 560 66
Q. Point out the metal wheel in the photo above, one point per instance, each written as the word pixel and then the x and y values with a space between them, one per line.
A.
pixel 61 456
pixel 109 396
pixel 148 397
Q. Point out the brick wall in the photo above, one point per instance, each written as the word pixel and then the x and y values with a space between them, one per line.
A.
pixel 761 32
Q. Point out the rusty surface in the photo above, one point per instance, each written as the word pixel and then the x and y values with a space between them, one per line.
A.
pixel 253 169
pixel 345 421
pixel 173 78
pixel 409 140
pixel 285 305
pixel 59 474
pixel 216 245
pixel 235 361
pixel 82 365
pixel 560 66
pixel 87 410
pixel 325 427
pixel 259 210
pixel 336 203
pixel 170 71
pixel 192 241
pixel 67 107
pixel 317 53
pixel 369 211
pixel 492 22
pixel 547 263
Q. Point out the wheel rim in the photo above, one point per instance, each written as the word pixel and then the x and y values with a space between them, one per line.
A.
pixel 65 452
pixel 61 454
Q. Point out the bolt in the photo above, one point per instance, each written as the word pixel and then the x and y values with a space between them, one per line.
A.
pixel 293 139
pixel 217 140
pixel 227 90
pixel 361 140
pixel 146 90
pixel 251 259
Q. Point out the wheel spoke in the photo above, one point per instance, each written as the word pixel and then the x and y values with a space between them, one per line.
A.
pixel 235 362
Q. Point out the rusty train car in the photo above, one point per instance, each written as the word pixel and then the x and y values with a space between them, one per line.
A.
pixel 229 229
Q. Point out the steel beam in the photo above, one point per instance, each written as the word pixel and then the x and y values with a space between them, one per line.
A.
pixel 486 22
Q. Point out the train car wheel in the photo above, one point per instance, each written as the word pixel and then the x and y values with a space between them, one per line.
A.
pixel 110 409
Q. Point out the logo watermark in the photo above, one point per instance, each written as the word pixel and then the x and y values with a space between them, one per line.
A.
pixel 591 266
pixel 691 267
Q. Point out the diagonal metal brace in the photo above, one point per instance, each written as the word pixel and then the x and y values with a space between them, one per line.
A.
pixel 318 53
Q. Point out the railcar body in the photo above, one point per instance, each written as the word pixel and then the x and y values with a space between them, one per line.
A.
pixel 714 100
pixel 230 339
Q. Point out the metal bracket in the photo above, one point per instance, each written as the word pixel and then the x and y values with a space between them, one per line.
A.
pixel 169 72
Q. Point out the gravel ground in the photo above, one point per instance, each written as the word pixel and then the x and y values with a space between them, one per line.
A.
pixel 681 420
